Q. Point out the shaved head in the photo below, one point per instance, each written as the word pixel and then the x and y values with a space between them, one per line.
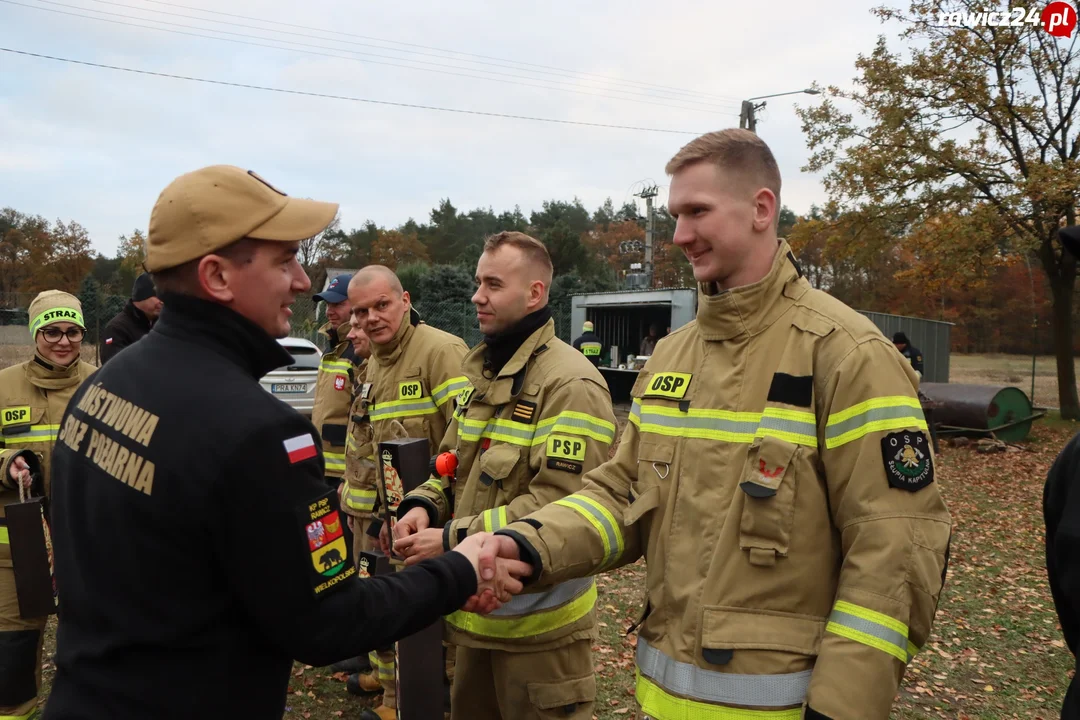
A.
pixel 365 277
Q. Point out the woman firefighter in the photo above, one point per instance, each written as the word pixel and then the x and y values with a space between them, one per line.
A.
pixel 33 397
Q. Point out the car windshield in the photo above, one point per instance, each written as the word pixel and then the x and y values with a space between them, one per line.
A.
pixel 304 358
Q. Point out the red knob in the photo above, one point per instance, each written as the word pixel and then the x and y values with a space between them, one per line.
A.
pixel 446 464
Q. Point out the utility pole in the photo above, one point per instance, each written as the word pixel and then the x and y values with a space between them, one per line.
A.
pixel 747 116
pixel 648 194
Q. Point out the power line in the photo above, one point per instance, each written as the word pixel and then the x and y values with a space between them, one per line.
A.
pixel 635 89
pixel 345 97
pixel 324 54
pixel 667 88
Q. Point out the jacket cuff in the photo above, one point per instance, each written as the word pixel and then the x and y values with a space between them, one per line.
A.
pixel 8 456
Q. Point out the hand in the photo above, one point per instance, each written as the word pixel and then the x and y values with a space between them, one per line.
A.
pixel 498 546
pixel 384 538
pixel 499 580
pixel 413 522
pixel 20 472
pixel 419 546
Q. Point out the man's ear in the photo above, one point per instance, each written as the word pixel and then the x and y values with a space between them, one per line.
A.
pixel 537 290
pixel 764 210
pixel 214 274
pixel 406 299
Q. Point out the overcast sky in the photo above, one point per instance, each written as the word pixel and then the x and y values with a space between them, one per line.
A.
pixel 97 146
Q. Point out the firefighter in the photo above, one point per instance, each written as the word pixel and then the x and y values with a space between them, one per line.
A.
pixel 333 389
pixel 33 396
pixel 413 376
pixel 198 550
pixel 776 474
pixel 909 351
pixel 589 344
pixel 535 417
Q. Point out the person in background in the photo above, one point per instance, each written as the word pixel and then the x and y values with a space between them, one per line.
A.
pixel 589 344
pixel 648 343
pixel 909 351
pixel 334 387
pixel 33 396
pixel 134 321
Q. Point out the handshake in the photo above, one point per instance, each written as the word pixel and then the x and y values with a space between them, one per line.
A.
pixel 495 559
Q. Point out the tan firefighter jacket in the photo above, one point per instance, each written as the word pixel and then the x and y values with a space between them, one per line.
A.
pixel 33 397
pixel 358 492
pixel 777 476
pixel 523 439
pixel 410 388
pixel 333 397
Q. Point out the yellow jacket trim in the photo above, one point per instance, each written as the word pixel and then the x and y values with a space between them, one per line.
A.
pixel 4 536
pixel 604 522
pixel 335 366
pixel 37 433
pixel 795 426
pixel 334 461
pixel 659 705
pixel 403 409
pixel 360 500
pixel 441 393
pixel 871 628
pixel 881 414
pixel 529 625
pixel 567 422
pixel 494 519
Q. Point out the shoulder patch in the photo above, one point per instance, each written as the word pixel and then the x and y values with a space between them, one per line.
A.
pixel 324 536
pixel 670 385
pixel 524 412
pixel 797 390
pixel 906 455
pixel 300 448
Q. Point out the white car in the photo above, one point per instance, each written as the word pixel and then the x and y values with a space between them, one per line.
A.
pixel 294 384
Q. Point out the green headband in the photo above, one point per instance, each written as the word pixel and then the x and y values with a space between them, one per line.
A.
pixel 60 314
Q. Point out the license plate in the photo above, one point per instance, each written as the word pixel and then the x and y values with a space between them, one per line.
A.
pixel 284 388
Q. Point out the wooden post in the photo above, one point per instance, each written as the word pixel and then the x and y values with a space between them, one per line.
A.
pixel 404 466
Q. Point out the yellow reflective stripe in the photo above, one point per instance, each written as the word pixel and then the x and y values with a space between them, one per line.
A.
pixel 334 461
pixel 659 705
pixel 442 392
pixel 795 426
pixel 602 520
pixel 37 433
pixel 912 650
pixel 870 628
pixel 350 444
pixel 575 423
pixel 494 519
pixel 359 499
pixel 403 409
pixel 4 537
pixel 435 484
pixel 529 625
pixel 32 715
pixel 881 414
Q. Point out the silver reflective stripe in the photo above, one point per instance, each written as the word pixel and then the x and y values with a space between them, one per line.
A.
pixel 873 629
pixel 692 422
pixel 872 415
pixel 789 426
pixel 720 688
pixel 402 409
pixel 529 603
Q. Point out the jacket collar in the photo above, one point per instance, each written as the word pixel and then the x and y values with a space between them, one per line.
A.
pixel 500 389
pixel 47 376
pixel 750 309
pixel 137 315
pixel 225 331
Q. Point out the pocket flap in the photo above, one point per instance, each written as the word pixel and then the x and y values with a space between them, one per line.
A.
pixel 729 628
pixel 812 323
pixel 498 460
pixel 763 475
pixel 18 417
pixel 656 452
pixel 334 433
pixel 645 502
pixel 548 696
pixel 414 372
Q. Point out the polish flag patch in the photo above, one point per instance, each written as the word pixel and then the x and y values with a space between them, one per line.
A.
pixel 339 382
pixel 108 341
pixel 301 447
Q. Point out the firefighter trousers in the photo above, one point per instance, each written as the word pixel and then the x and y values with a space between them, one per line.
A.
pixel 501 685
pixel 21 642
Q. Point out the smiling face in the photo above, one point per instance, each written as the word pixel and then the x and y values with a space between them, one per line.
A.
pixel 59 343
pixel 338 313
pixel 264 289
pixel 359 339
pixel 724 225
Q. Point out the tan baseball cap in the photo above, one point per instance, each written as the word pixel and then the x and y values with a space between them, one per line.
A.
pixel 208 209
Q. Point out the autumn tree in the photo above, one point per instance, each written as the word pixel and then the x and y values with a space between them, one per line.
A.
pixel 963 117
pixel 393 248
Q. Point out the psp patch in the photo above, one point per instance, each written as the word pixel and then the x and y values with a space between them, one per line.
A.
pixel 325 537
pixel 565 453
pixel 908 464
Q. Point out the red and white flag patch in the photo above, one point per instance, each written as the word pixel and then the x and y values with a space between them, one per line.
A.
pixel 339 382
pixel 301 447
pixel 108 341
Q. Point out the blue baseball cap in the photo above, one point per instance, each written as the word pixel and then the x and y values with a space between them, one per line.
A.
pixel 336 291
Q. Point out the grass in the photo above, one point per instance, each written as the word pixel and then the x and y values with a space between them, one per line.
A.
pixel 996 651
pixel 1012 370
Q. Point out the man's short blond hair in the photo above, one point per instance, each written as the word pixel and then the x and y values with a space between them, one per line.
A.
pixel 738 152
pixel 535 251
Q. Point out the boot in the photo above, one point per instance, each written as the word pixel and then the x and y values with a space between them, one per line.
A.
pixel 351 666
pixel 363 684
pixel 380 713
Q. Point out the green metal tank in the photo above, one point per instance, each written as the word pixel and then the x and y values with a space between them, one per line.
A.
pixel 957 408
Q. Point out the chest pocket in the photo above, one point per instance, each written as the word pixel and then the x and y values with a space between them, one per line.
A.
pixel 501 471
pixel 22 425
pixel 768 484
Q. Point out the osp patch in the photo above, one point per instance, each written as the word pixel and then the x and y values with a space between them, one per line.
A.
pixel 906 455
